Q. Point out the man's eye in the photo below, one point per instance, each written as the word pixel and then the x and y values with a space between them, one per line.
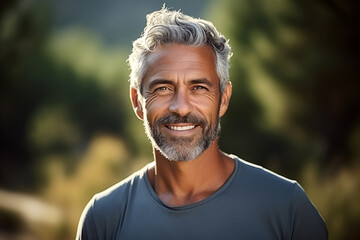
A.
pixel 200 88
pixel 162 89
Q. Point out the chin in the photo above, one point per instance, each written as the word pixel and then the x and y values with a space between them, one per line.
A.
pixel 182 155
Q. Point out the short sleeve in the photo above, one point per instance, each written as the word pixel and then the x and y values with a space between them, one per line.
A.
pixel 306 222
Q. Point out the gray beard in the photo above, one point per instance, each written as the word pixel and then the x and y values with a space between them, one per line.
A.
pixel 181 148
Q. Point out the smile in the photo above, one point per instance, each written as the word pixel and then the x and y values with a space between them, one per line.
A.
pixel 181 128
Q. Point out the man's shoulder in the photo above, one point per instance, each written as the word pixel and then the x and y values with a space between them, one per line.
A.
pixel 117 194
pixel 260 183
pixel 98 218
pixel 281 198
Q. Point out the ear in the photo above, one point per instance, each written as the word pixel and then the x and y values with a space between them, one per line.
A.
pixel 225 99
pixel 136 103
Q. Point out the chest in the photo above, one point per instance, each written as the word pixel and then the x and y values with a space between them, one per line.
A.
pixel 223 218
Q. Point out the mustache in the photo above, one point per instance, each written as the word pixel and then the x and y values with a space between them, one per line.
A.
pixel 173 118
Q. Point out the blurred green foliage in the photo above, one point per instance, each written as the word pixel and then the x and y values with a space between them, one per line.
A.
pixel 68 130
pixel 296 81
pixel 57 92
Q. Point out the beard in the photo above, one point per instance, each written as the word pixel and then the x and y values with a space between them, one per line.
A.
pixel 182 148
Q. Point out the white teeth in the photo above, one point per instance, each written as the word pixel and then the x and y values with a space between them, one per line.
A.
pixel 184 128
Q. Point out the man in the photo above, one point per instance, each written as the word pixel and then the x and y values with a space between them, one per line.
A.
pixel 180 89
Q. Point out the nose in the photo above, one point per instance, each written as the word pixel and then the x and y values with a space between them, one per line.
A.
pixel 180 103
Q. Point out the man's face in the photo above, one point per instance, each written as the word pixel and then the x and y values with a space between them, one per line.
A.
pixel 181 97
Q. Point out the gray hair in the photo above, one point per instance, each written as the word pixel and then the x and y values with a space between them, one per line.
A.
pixel 164 27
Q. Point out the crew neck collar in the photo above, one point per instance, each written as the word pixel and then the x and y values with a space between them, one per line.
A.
pixel 156 198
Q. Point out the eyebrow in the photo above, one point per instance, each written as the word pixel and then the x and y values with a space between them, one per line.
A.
pixel 202 81
pixel 159 81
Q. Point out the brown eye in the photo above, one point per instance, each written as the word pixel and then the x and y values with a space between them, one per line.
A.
pixel 162 89
pixel 200 88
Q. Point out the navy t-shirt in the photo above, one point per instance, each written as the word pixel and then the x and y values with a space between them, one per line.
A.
pixel 254 203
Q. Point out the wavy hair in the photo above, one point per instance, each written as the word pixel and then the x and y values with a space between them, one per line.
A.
pixel 166 27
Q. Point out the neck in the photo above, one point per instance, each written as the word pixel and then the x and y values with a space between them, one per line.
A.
pixel 181 183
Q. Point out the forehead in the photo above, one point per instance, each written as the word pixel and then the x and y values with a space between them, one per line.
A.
pixel 181 61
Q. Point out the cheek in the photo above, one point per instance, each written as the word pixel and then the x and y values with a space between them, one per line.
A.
pixel 208 105
pixel 155 107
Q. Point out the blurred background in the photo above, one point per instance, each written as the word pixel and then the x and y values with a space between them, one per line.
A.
pixel 68 131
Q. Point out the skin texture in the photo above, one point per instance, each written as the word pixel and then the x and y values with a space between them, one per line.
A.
pixel 182 80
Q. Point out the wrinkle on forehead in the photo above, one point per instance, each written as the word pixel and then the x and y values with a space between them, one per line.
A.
pixel 170 62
